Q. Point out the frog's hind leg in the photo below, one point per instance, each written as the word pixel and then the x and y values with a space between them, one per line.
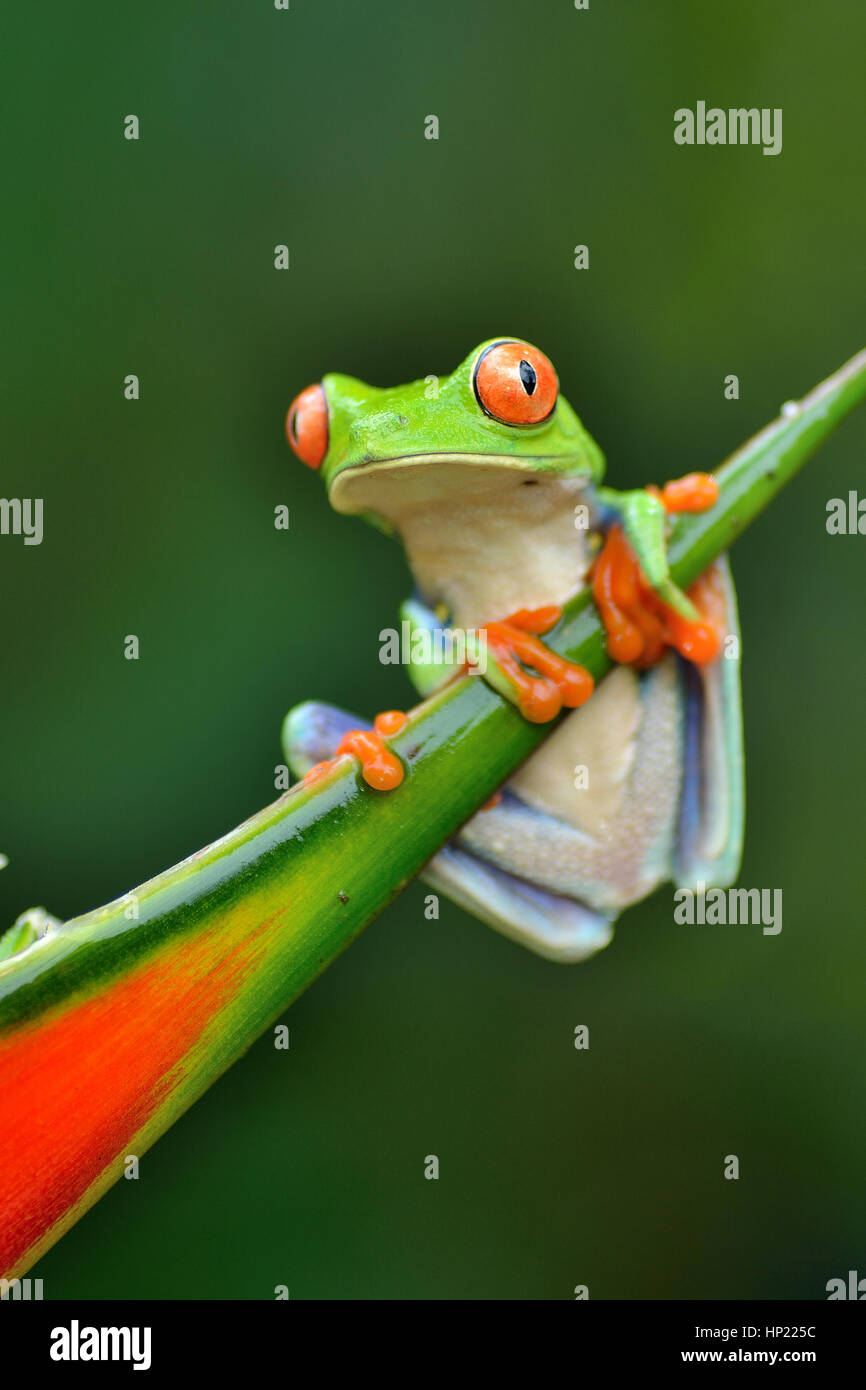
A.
pixel 712 809
pixel 550 925
pixel 592 815
pixel 312 733
pixel 311 725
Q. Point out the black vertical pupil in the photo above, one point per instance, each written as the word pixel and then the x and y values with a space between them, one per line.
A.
pixel 293 425
pixel 527 376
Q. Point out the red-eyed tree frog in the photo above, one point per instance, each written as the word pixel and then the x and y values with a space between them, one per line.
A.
pixel 493 485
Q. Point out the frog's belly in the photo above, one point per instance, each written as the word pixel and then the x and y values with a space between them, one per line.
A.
pixel 593 814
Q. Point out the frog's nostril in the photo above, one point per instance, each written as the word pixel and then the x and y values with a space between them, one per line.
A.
pixel 307 425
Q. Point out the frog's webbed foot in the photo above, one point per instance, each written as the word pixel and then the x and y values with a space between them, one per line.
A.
pixel 315 736
pixel 551 925
pixel 527 672
pixel 642 610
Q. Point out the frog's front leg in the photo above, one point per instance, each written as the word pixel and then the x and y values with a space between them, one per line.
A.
pixel 315 735
pixel 641 607
pixel 508 653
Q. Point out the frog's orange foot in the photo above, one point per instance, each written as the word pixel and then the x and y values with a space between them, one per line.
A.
pixel 380 768
pixel 639 625
pixel 541 679
pixel 696 492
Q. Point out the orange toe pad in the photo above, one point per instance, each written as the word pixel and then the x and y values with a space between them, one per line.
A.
pixel 380 768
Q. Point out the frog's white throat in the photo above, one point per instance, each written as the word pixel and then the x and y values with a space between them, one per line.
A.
pixel 484 537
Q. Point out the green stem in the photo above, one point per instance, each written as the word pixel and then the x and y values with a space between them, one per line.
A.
pixel 264 910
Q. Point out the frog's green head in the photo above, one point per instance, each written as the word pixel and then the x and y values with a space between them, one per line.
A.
pixel 499 414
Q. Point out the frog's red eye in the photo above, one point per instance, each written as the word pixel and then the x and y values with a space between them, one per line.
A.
pixel 307 426
pixel 515 383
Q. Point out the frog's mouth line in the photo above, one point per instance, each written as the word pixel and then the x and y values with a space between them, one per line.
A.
pixel 420 479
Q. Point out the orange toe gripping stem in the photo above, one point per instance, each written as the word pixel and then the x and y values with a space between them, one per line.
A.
pixel 638 624
pixel 696 492
pixel 380 768
pixel 515 645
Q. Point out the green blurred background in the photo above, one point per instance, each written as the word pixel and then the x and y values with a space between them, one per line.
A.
pixel 305 127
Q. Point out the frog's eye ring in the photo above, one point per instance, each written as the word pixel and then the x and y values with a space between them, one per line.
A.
pixel 515 383
pixel 307 426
